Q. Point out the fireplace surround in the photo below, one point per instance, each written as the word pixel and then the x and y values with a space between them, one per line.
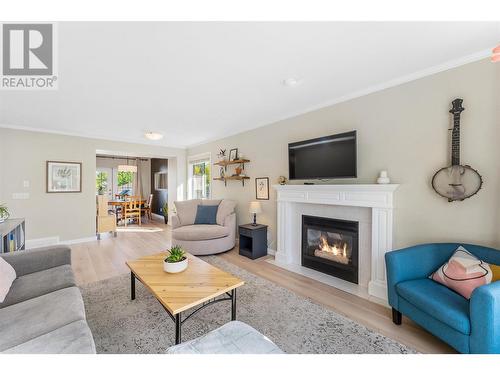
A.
pixel 330 246
pixel 369 204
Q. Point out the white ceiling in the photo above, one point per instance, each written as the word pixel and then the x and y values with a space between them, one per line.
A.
pixel 197 82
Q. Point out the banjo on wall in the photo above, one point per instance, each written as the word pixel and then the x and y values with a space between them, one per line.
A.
pixel 456 182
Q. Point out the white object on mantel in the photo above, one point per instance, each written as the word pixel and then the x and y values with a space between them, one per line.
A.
pixel 383 178
pixel 377 197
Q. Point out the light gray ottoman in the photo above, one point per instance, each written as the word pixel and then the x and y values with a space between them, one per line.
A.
pixel 232 338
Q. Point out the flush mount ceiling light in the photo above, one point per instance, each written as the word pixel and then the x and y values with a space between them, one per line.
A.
pixel 153 136
pixel 495 57
pixel 292 82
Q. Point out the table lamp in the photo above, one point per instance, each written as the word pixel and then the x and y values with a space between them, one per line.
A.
pixel 255 209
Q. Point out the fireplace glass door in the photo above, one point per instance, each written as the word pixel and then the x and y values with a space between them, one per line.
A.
pixel 330 246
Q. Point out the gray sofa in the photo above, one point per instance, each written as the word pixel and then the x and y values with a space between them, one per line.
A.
pixel 204 239
pixel 43 311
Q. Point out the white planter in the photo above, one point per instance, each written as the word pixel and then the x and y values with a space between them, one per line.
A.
pixel 175 267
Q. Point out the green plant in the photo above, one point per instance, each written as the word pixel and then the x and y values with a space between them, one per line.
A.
pixel 165 209
pixel 176 255
pixel 101 182
pixel 125 178
pixel 4 211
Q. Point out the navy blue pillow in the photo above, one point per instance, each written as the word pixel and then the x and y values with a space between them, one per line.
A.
pixel 206 214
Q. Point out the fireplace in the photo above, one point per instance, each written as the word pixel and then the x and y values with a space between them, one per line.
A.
pixel 330 246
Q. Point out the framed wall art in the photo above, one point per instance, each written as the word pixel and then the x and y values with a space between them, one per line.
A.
pixel 262 188
pixel 64 177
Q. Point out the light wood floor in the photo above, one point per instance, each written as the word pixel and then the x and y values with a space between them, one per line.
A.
pixel 99 260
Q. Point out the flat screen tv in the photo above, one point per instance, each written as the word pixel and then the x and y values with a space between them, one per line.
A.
pixel 328 157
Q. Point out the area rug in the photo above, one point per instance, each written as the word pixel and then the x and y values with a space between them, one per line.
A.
pixel 296 324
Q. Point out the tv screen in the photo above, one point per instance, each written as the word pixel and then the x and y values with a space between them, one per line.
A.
pixel 323 158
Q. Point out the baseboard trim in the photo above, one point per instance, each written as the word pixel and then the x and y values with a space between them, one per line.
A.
pixel 78 240
pixel 271 251
pixel 41 242
pixel 49 241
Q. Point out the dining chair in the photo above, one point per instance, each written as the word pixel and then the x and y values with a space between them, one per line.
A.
pixel 146 210
pixel 132 208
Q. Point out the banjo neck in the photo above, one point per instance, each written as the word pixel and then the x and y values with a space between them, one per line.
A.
pixel 455 134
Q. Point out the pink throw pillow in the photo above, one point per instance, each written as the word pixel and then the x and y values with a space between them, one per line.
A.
pixel 463 273
pixel 7 277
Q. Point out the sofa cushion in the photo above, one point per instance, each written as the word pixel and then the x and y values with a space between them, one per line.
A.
pixel 39 283
pixel 73 338
pixel 463 273
pixel 38 316
pixel 7 277
pixel 186 211
pixel 232 338
pixel 210 202
pixel 438 301
pixel 206 215
pixel 226 208
pixel 200 232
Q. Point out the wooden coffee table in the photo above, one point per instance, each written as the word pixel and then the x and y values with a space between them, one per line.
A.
pixel 199 285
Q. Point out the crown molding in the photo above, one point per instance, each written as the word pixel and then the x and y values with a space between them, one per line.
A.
pixel 81 135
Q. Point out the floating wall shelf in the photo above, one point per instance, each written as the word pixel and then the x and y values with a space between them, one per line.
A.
pixel 225 163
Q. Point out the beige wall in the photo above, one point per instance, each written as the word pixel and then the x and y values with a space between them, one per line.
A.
pixel 404 130
pixel 70 216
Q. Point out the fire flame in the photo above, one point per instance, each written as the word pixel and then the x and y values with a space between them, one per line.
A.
pixel 333 249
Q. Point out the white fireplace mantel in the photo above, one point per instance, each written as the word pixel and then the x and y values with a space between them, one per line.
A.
pixel 377 197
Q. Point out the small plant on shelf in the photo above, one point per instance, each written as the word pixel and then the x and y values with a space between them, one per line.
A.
pixel 4 212
pixel 177 254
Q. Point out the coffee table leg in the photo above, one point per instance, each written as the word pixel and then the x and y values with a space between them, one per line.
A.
pixel 233 305
pixel 132 286
pixel 178 329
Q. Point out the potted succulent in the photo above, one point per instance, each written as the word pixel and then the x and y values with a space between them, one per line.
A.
pixel 165 212
pixel 176 261
pixel 4 213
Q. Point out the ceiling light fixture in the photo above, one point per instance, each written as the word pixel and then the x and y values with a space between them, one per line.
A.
pixel 127 167
pixel 292 82
pixel 153 136
pixel 495 57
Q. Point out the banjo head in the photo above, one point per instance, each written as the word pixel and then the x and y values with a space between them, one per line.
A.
pixel 457 182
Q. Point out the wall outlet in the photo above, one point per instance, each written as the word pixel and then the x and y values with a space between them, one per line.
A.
pixel 21 196
pixel 26 184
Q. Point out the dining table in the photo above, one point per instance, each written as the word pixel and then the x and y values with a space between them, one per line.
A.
pixel 122 202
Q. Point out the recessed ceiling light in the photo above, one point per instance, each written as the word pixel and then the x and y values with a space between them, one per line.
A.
pixel 292 82
pixel 153 136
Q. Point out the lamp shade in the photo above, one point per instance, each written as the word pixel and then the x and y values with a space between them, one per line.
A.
pixel 255 208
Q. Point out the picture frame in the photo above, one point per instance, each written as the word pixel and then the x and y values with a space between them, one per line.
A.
pixel 262 188
pixel 63 177
pixel 233 154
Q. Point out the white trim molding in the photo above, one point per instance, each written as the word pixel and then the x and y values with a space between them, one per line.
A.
pixel 379 198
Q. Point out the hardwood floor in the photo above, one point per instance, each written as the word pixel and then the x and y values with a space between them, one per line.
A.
pixel 99 260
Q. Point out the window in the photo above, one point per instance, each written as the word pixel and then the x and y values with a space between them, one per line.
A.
pixel 125 182
pixel 199 177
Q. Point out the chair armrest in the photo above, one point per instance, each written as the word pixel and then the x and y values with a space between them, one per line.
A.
pixel 176 223
pixel 230 220
pixel 411 263
pixel 30 261
pixel 485 319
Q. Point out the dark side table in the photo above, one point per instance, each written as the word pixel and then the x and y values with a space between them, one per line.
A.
pixel 253 240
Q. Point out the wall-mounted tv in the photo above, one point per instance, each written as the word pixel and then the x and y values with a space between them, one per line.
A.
pixel 328 157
